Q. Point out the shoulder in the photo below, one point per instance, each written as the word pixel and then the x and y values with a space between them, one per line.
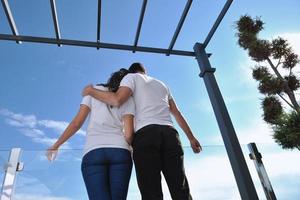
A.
pixel 159 81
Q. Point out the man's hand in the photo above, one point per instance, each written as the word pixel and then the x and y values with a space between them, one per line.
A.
pixel 195 145
pixel 86 90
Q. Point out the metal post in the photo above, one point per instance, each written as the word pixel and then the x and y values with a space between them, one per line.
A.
pixel 11 169
pixel 262 173
pixel 233 148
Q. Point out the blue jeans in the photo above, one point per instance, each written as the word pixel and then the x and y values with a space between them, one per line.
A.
pixel 106 173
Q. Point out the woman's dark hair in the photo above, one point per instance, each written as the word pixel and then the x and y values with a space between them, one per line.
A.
pixel 115 79
pixel 137 67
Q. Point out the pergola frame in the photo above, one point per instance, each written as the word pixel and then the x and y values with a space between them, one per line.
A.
pixel 240 170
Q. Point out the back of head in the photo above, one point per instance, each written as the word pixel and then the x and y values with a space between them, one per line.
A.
pixel 137 67
pixel 115 79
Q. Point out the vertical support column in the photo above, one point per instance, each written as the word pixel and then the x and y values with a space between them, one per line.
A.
pixel 233 148
pixel 262 173
pixel 11 169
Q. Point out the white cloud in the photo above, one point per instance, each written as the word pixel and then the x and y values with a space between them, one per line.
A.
pixel 245 71
pixel 32 133
pixel 20 120
pixel 210 175
pixel 212 178
pixel 13 123
pixel 293 39
pixel 285 163
pixel 45 140
pixel 257 131
pixel 240 98
pixel 31 127
pixel 58 126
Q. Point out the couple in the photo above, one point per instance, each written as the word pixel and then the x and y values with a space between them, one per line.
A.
pixel 131 109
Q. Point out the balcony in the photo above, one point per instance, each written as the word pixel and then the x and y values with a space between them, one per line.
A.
pixel 209 174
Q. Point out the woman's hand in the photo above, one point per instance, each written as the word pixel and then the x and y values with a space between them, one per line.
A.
pixel 51 153
pixel 195 144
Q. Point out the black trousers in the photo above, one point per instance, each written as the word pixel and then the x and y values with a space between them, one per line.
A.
pixel 156 149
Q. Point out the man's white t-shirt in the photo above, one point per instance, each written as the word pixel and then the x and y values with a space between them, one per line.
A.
pixel 151 98
pixel 105 127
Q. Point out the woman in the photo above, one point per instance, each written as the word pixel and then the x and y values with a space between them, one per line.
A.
pixel 106 164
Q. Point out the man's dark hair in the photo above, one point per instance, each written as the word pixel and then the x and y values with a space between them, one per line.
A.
pixel 114 81
pixel 137 67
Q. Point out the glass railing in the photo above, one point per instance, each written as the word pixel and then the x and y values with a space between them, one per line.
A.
pixel 209 174
pixel 283 169
pixel 4 154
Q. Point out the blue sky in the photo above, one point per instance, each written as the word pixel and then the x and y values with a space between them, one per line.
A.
pixel 41 84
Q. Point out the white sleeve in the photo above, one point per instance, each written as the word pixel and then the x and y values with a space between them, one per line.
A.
pixel 87 100
pixel 128 81
pixel 127 108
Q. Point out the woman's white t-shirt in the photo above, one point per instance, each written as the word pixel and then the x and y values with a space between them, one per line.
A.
pixel 105 127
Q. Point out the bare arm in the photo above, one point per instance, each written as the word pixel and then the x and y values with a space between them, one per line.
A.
pixel 184 126
pixel 71 129
pixel 110 98
pixel 128 128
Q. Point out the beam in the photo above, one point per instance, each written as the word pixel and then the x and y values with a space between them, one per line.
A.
pixel 55 21
pixel 94 44
pixel 217 22
pixel 98 22
pixel 137 35
pixel 10 18
pixel 179 26
pixel 231 142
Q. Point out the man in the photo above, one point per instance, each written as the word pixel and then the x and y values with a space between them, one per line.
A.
pixel 156 144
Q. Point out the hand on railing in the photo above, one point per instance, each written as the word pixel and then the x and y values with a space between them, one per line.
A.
pixel 51 153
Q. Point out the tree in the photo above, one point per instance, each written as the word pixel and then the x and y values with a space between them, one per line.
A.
pixel 277 82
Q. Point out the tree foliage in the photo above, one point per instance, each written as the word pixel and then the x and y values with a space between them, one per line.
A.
pixel 277 82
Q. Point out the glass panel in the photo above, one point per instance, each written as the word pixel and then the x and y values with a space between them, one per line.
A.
pixel 209 174
pixel 58 180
